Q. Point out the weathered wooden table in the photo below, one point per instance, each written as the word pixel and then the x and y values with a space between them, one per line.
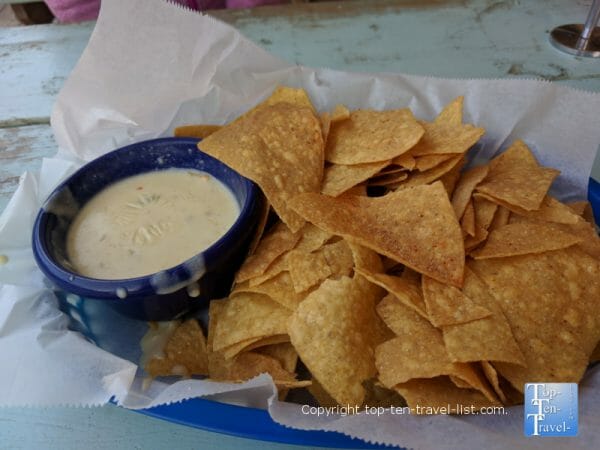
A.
pixel 465 39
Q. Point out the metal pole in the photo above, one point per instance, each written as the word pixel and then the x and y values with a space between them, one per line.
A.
pixel 578 39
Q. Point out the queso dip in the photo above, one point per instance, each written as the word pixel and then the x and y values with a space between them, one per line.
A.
pixel 149 222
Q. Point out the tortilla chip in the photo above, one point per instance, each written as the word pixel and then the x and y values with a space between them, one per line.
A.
pixel 278 241
pixel 447 134
pixel 286 94
pixel 467 223
pixel 427 396
pixel 501 217
pixel 452 114
pixel 516 178
pixel 447 305
pixel 334 331
pixel 417 351
pixel 392 179
pixel 431 175
pixel 307 269
pixel 450 178
pixel 551 210
pixel 465 187
pixel 492 376
pixel 185 353
pixel 339 178
pixel 371 136
pixel 279 147
pixel 523 238
pixel 339 257
pixel 584 209
pixel 251 364
pixel 254 344
pixel 285 353
pixel 406 291
pixel 551 301
pixel 246 316
pixel 406 161
pixel 427 162
pixel 415 226
pixel 484 211
pixel 218 365
pixel 486 339
pixel 325 120
pixel 340 113
pixel 196 131
pixel 280 289
pixel 313 238
pixel 321 395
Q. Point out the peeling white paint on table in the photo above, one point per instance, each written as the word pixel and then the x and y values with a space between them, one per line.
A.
pixel 465 39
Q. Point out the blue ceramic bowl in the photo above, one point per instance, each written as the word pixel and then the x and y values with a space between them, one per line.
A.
pixel 164 295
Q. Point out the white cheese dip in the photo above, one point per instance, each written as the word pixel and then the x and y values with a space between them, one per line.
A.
pixel 149 222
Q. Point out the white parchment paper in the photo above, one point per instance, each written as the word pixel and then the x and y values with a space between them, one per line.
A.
pixel 150 66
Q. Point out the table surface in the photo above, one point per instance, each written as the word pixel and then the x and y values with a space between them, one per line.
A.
pixel 462 39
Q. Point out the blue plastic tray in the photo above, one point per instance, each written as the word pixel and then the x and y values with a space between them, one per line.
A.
pixel 255 423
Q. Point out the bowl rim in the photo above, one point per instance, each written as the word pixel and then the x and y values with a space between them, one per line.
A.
pixel 137 286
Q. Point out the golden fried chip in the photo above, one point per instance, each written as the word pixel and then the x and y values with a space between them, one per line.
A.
pixel 465 187
pixel 485 211
pixel 334 330
pixel 447 305
pixel 428 396
pixel 340 113
pixel 339 178
pixel 339 257
pixel 417 351
pixel 450 178
pixel 492 377
pixel 320 394
pixel 280 147
pixel 516 178
pixel 467 222
pixel 325 121
pixel 286 94
pixel 280 289
pixel 196 131
pixel 251 364
pixel 486 339
pixel 247 316
pixel 406 161
pixel 551 301
pixel 584 209
pixel 388 179
pixel 523 238
pixel 434 174
pixel 500 219
pixel 447 134
pixel 185 353
pixel 278 241
pixel 218 365
pixel 551 210
pixel 313 238
pixel 254 344
pixel 371 136
pixel 427 162
pixel 307 269
pixel 285 353
pixel 415 226
pixel 406 291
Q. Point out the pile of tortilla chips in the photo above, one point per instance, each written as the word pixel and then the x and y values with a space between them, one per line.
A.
pixel 390 270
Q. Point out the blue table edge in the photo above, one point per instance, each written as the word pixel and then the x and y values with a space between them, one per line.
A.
pixel 253 423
